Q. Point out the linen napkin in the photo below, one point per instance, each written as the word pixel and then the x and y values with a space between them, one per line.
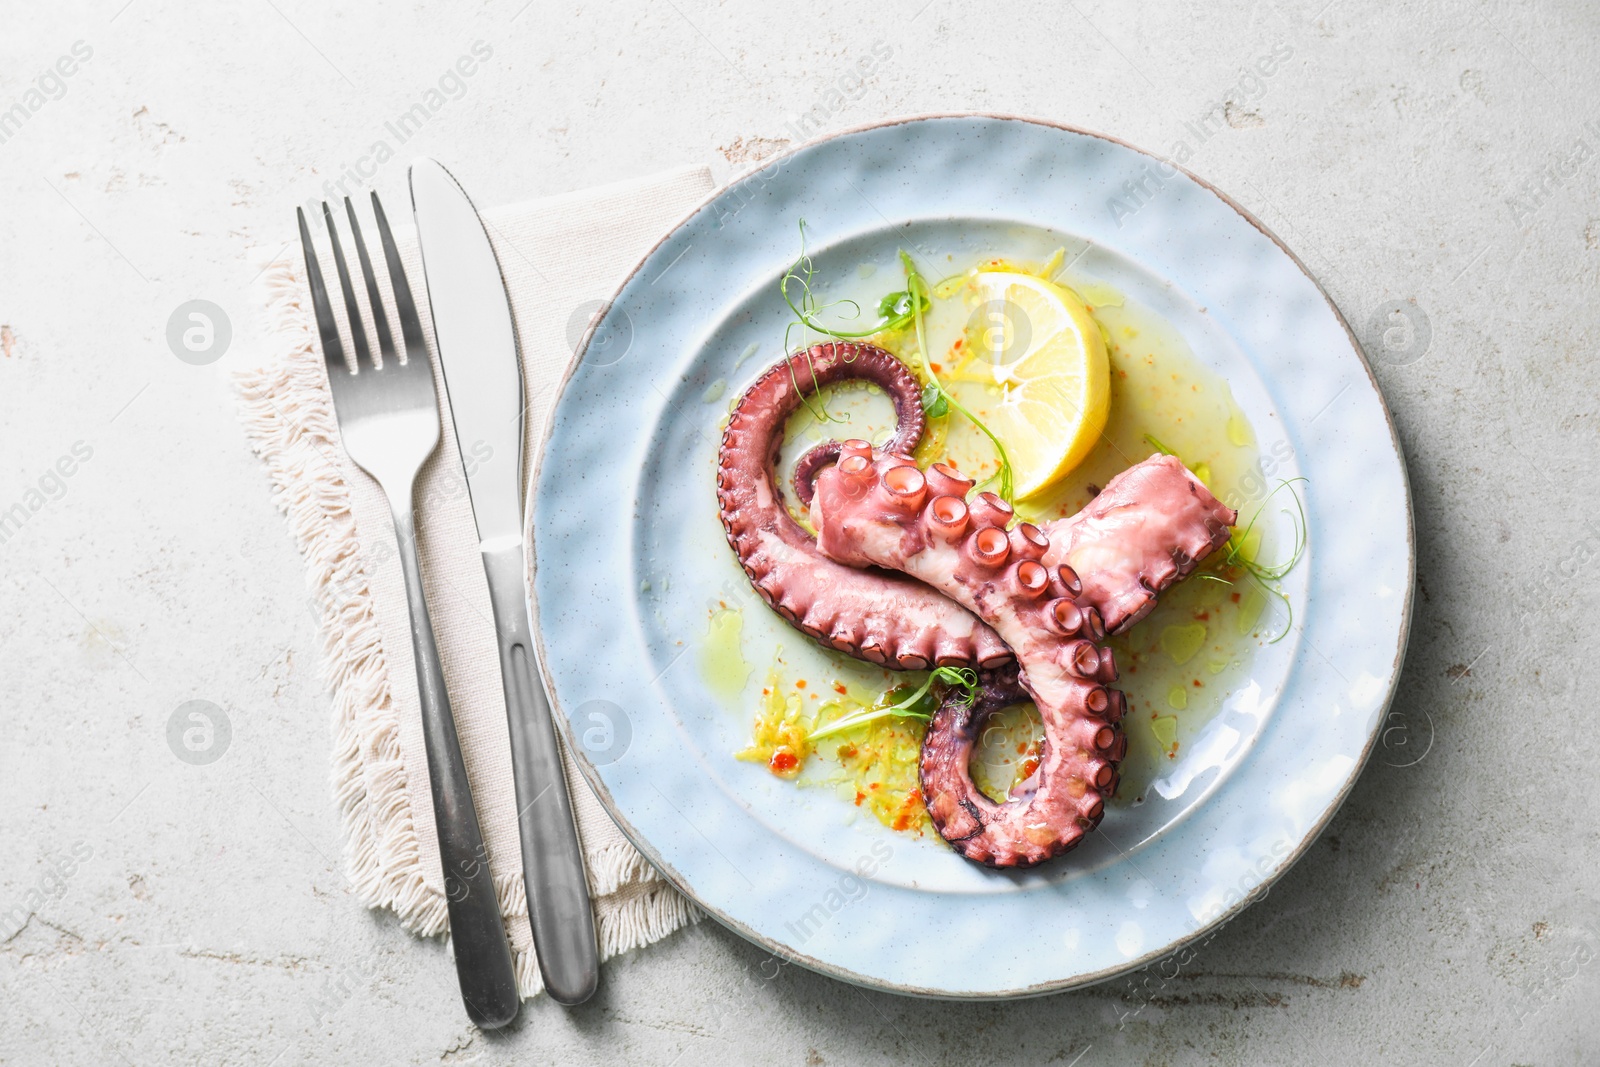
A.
pixel 561 257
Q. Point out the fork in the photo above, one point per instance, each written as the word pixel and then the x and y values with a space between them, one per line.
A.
pixel 388 414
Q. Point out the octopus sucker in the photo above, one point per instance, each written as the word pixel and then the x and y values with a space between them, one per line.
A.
pixel 818 620
pixel 1051 593
pixel 889 610
pixel 913 652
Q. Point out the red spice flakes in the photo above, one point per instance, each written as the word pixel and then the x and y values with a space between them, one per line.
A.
pixel 1198 684
pixel 938 368
pixel 783 763
pixel 840 688
pixel 846 751
pixel 1234 598
pixel 801 684
pixel 908 810
pixel 1203 616
pixel 860 796
pixel 1028 766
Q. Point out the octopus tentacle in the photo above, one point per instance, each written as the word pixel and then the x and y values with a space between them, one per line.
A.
pixel 886 618
pixel 876 513
pixel 1149 530
pixel 808 466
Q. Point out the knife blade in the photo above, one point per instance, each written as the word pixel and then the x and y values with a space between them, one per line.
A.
pixel 476 341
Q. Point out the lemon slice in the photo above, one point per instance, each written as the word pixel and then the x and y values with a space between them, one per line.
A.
pixel 1048 359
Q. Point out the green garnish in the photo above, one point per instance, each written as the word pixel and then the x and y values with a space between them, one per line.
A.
pixel 915 284
pixel 894 311
pixel 1266 576
pixel 963 678
pixel 1150 439
pixel 1237 540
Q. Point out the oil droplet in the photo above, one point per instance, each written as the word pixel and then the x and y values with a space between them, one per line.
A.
pixel 1178 697
pixel 866 270
pixel 1166 730
pixel 722 662
pixel 749 351
pixel 714 391
pixel 1203 472
pixel 1182 642
pixel 1249 546
pixel 1239 432
pixel 1101 295
pixel 1217 666
pixel 644 586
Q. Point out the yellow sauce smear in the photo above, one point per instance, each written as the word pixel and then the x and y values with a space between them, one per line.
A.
pixel 873 766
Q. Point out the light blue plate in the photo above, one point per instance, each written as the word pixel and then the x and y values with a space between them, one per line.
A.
pixel 629 558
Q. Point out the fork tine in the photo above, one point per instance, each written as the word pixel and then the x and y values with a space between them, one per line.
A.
pixel 358 333
pixel 380 320
pixel 404 306
pixel 327 327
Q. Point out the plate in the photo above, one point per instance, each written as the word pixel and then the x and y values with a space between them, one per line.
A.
pixel 630 558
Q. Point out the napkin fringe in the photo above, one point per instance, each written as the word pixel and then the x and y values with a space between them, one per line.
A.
pixel 294 432
pixel 626 918
pixel 283 408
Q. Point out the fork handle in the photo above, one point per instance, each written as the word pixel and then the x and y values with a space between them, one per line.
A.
pixel 484 966
pixel 559 908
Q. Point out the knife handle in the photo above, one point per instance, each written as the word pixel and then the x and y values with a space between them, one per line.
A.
pixel 559 909
pixel 484 967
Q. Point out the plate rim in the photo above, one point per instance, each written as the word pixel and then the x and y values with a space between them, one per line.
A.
pixel 678 882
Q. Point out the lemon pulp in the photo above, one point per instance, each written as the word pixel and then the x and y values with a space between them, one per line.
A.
pixel 1034 343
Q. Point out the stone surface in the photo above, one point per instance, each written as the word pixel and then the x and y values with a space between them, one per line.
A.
pixel 1441 155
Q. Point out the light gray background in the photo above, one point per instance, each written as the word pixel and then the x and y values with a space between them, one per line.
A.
pixel 1433 154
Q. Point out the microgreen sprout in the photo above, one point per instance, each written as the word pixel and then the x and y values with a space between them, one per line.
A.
pixel 962 678
pixel 1297 517
pixel 1264 575
pixel 894 312
pixel 1150 439
pixel 936 399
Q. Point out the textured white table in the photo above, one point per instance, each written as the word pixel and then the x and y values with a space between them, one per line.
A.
pixel 1439 156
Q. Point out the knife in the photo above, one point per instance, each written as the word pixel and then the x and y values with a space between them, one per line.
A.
pixel 477 346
